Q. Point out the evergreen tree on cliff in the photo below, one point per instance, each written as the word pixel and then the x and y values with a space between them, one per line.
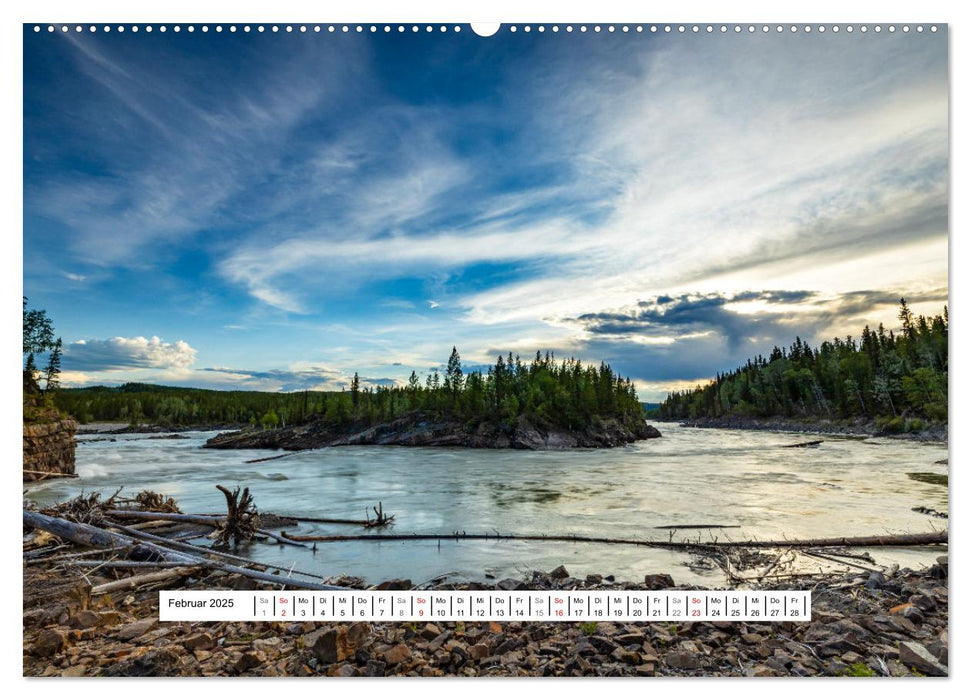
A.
pixel 39 338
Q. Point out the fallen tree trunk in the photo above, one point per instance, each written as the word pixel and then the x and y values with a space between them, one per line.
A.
pixel 874 541
pixel 135 581
pixel 79 533
pixel 209 553
pixel 90 535
pixel 213 520
pixel 811 443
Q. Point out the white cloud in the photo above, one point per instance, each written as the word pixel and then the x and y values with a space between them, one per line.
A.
pixel 128 353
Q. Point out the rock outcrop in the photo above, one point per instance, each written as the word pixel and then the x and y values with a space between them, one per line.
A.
pixel 416 431
pixel 49 448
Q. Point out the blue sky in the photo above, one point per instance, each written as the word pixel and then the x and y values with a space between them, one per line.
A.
pixel 278 211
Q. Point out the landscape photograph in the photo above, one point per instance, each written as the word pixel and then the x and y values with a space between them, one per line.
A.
pixel 550 312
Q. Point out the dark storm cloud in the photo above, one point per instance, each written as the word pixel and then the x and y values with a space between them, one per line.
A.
pixel 698 335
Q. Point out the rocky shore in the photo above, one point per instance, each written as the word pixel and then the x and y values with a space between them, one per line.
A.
pixel 862 625
pixel 417 431
pixel 861 428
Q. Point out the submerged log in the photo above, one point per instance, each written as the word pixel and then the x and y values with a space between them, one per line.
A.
pixel 872 541
pixel 811 443
pixel 695 527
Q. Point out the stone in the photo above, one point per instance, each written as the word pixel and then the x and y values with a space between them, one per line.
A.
pixel 375 668
pixel 511 584
pixel 657 582
pixel 83 620
pixel 645 670
pixel 248 660
pixel 356 635
pixel 559 573
pixel 397 654
pixel 395 584
pixel 436 644
pixel 629 638
pixel 939 649
pixel 924 602
pixel 158 662
pixel 916 656
pixel 201 641
pixel 324 647
pixel 631 658
pixel 136 629
pixel 49 642
pixel 761 671
pixel 899 609
pixel 752 638
pixel 876 580
pixel 108 618
pixel 430 631
pixel 682 659
pixel 479 651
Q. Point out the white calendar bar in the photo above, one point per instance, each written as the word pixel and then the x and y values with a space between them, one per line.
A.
pixel 537 606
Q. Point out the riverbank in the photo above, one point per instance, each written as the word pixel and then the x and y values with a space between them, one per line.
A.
pixel 858 428
pixel 419 431
pixel 863 625
pixel 120 428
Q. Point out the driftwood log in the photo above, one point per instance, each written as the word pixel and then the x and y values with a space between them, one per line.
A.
pixel 873 541
pixel 811 443
pixel 215 521
pixel 241 521
pixel 90 535
pixel 135 581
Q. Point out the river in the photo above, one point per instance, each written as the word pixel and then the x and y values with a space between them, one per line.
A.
pixel 846 486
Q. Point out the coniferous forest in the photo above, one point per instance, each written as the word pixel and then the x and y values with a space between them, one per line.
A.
pixel 898 379
pixel 562 393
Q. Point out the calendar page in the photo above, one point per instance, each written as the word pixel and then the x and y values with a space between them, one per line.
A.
pixel 526 349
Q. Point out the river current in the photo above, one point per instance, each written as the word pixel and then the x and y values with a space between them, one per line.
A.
pixel 843 487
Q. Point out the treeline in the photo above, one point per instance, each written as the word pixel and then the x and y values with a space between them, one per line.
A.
pixel 562 393
pixel 136 403
pixel 898 379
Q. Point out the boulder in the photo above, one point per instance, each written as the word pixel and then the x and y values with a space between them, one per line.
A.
pixel 49 642
pixel 916 656
pixel 136 629
pixel 657 582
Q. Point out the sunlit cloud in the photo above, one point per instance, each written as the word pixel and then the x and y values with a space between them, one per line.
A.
pixel 120 353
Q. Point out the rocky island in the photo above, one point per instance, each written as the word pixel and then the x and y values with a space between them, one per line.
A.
pixel 541 405
pixel 423 431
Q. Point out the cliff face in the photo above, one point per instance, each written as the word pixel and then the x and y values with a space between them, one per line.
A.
pixel 415 432
pixel 49 448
